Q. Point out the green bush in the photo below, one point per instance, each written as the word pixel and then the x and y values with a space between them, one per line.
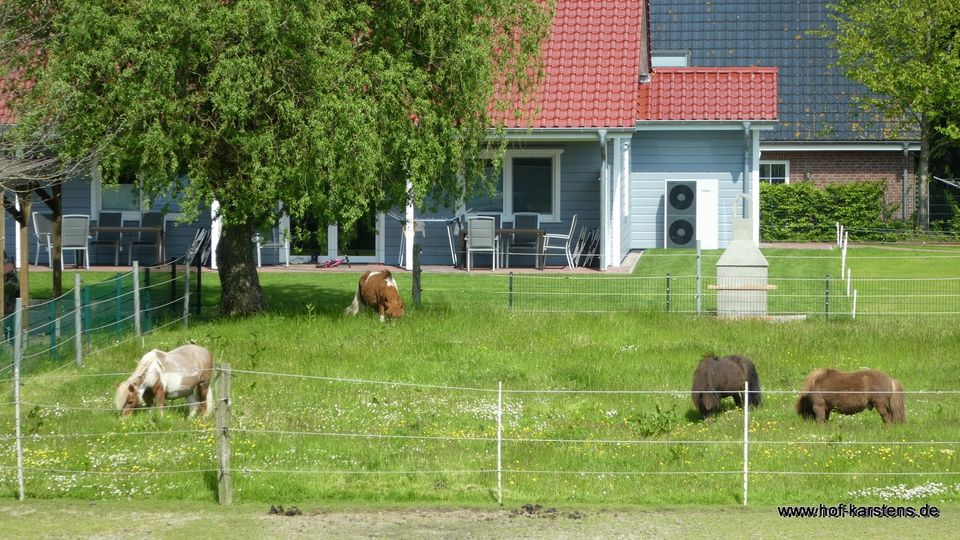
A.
pixel 802 211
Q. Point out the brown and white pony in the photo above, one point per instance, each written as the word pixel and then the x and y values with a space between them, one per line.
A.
pixel 849 392
pixel 378 291
pixel 717 378
pixel 182 372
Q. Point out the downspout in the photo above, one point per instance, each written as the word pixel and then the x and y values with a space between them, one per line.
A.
pixel 751 153
pixel 905 183
pixel 747 151
pixel 604 202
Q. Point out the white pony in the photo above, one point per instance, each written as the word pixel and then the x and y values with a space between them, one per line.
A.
pixel 182 372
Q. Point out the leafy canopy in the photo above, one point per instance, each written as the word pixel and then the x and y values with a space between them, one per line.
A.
pixel 906 51
pixel 330 106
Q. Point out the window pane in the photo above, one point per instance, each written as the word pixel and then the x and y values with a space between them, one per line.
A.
pixel 485 202
pixel 120 197
pixel 533 185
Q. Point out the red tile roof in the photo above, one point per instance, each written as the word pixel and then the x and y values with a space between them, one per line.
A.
pixel 709 94
pixel 591 66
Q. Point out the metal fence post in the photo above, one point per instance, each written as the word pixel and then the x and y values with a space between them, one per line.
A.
pixel 668 292
pixel 699 282
pixel 17 356
pixel 746 439
pixel 826 299
pixel 186 296
pixel 417 274
pixel 118 303
pixel 222 396
pixel 78 320
pixel 510 291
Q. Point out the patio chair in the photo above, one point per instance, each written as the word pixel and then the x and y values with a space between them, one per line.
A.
pixel 523 242
pixel 561 242
pixel 150 239
pixel 273 240
pixel 43 231
pixel 75 236
pixel 482 237
pixel 110 238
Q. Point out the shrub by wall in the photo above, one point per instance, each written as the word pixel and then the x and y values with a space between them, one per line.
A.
pixel 803 212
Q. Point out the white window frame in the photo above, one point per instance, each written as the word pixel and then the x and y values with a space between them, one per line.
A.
pixel 670 58
pixel 554 155
pixel 786 171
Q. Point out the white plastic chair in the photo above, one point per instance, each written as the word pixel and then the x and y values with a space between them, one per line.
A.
pixel 75 236
pixel 43 231
pixel 482 237
pixel 561 242
pixel 277 241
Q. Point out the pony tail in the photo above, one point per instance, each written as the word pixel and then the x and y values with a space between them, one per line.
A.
pixel 354 307
pixel 755 398
pixel 898 413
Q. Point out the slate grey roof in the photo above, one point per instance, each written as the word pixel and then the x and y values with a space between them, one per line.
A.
pixel 815 99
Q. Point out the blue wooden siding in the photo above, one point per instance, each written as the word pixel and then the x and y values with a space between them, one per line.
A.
pixel 76 200
pixel 657 156
pixel 579 194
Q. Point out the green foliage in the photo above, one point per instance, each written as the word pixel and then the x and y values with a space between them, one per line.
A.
pixel 801 211
pixel 330 107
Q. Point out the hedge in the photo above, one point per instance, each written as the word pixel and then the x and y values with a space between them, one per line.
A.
pixel 804 212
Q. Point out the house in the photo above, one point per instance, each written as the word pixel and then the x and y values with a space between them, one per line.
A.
pixel 607 138
pixel 823 136
pixel 609 131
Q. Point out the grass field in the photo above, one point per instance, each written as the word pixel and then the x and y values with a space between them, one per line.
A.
pixel 596 407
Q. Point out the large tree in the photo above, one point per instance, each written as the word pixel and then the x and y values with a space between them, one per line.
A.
pixel 907 52
pixel 329 107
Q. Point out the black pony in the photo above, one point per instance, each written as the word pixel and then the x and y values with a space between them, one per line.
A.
pixel 717 378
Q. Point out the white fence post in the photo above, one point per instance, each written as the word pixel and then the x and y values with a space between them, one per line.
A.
pixel 17 356
pixel 746 438
pixel 853 313
pixel 499 442
pixel 136 296
pixel 849 279
pixel 78 319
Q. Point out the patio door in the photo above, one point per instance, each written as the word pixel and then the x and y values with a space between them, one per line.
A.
pixel 361 243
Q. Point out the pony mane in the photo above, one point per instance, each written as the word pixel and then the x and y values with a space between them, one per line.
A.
pixel 813 378
pixel 135 378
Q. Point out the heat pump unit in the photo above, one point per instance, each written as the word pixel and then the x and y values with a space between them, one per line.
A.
pixel 680 214
pixel 690 214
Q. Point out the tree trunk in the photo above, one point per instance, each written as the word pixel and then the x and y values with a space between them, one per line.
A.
pixel 239 282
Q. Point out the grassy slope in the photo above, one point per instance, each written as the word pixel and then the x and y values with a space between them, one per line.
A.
pixel 458 339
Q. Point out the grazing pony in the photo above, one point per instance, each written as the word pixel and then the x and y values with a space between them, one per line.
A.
pixel 717 378
pixel 182 372
pixel 849 392
pixel 378 291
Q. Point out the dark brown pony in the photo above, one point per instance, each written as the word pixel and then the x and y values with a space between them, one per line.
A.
pixel 717 378
pixel 849 392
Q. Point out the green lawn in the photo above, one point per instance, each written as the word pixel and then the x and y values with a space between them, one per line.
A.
pixel 596 406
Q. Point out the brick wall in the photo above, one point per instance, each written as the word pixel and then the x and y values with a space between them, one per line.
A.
pixel 824 168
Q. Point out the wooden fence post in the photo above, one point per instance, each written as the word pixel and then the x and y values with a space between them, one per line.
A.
pixel 222 397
